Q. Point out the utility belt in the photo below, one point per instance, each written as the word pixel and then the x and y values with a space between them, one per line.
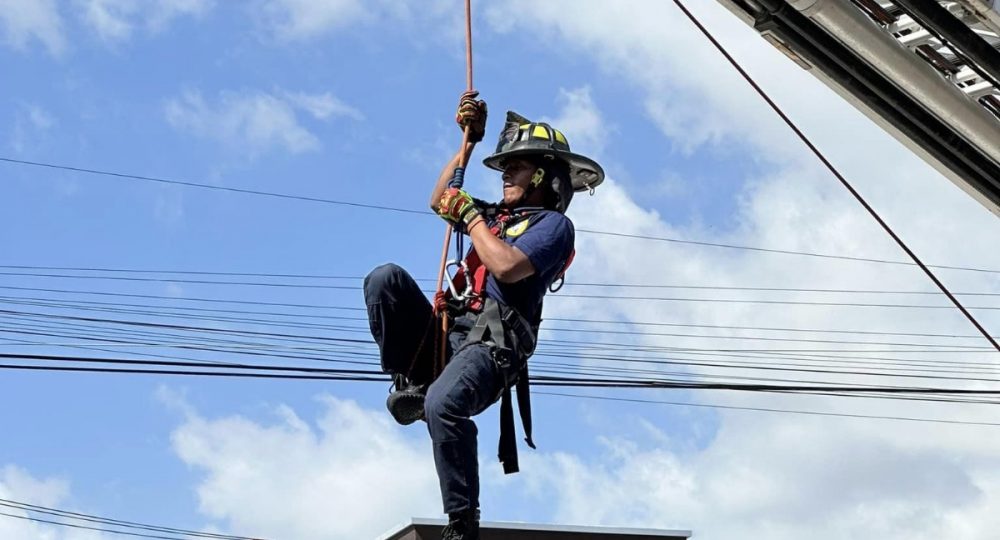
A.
pixel 511 339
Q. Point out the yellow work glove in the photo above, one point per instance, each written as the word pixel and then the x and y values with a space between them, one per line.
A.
pixel 472 112
pixel 458 208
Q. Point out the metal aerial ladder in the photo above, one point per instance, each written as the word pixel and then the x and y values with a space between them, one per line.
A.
pixel 924 34
pixel 927 71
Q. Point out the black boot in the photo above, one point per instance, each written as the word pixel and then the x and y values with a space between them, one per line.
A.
pixel 406 403
pixel 462 525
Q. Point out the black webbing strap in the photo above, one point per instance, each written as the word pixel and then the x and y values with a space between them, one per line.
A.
pixel 492 320
pixel 524 404
pixel 507 448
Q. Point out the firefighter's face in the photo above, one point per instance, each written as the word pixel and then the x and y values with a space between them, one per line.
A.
pixel 516 178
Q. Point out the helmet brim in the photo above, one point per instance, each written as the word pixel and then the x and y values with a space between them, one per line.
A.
pixel 585 173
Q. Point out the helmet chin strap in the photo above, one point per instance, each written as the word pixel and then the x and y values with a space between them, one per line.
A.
pixel 536 180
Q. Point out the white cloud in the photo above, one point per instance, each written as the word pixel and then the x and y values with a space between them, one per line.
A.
pixel 21 22
pixel 778 479
pixel 323 106
pixel 40 118
pixel 31 126
pixel 352 475
pixel 296 20
pixel 255 122
pixel 17 484
pixel 116 20
pixel 581 122
pixel 691 94
pixel 300 19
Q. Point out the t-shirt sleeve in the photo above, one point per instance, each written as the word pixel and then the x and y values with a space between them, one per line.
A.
pixel 547 242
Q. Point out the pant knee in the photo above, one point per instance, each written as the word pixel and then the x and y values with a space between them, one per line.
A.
pixel 382 278
pixel 436 408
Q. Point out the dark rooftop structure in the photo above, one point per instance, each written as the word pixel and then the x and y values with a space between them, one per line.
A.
pixel 430 529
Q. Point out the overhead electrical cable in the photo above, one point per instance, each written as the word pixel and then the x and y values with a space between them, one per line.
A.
pixel 200 365
pixel 118 522
pixel 424 212
pixel 374 376
pixel 769 409
pixel 263 349
pixel 36 315
pixel 571 284
pixel 214 187
pixel 630 346
pixel 89 528
pixel 780 251
pixel 951 349
pixel 567 295
pixel 240 350
pixel 354 308
pixel 704 300
pixel 914 419
pixel 264 367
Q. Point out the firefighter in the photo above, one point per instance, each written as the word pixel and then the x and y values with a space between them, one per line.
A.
pixel 521 247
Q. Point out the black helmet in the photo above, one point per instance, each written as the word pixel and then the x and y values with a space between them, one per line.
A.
pixel 522 138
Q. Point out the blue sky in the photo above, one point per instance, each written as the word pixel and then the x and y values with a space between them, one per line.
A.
pixel 353 101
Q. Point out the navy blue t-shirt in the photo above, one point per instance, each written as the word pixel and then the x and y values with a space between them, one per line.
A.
pixel 547 238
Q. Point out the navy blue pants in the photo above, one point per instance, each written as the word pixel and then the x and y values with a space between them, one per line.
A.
pixel 403 325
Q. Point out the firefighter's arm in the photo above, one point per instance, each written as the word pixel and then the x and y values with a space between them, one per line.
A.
pixel 507 263
pixel 471 115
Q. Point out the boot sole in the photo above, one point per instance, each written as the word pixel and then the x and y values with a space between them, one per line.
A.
pixel 405 407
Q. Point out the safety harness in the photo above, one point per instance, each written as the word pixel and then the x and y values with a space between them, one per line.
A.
pixel 510 336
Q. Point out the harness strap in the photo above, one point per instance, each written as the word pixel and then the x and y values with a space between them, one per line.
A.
pixel 524 404
pixel 492 320
pixel 557 283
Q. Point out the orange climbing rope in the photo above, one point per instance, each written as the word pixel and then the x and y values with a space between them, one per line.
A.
pixel 462 162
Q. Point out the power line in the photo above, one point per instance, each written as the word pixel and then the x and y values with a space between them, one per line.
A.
pixel 679 299
pixel 773 410
pixel 365 375
pixel 242 348
pixel 115 522
pixel 35 273
pixel 86 527
pixel 217 188
pixel 935 348
pixel 761 302
pixel 629 382
pixel 780 251
pixel 548 329
pixel 249 349
pixel 202 365
pixel 352 308
pixel 227 374
pixel 798 354
pixel 423 212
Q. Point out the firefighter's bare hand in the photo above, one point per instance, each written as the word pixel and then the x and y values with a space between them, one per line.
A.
pixel 472 112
